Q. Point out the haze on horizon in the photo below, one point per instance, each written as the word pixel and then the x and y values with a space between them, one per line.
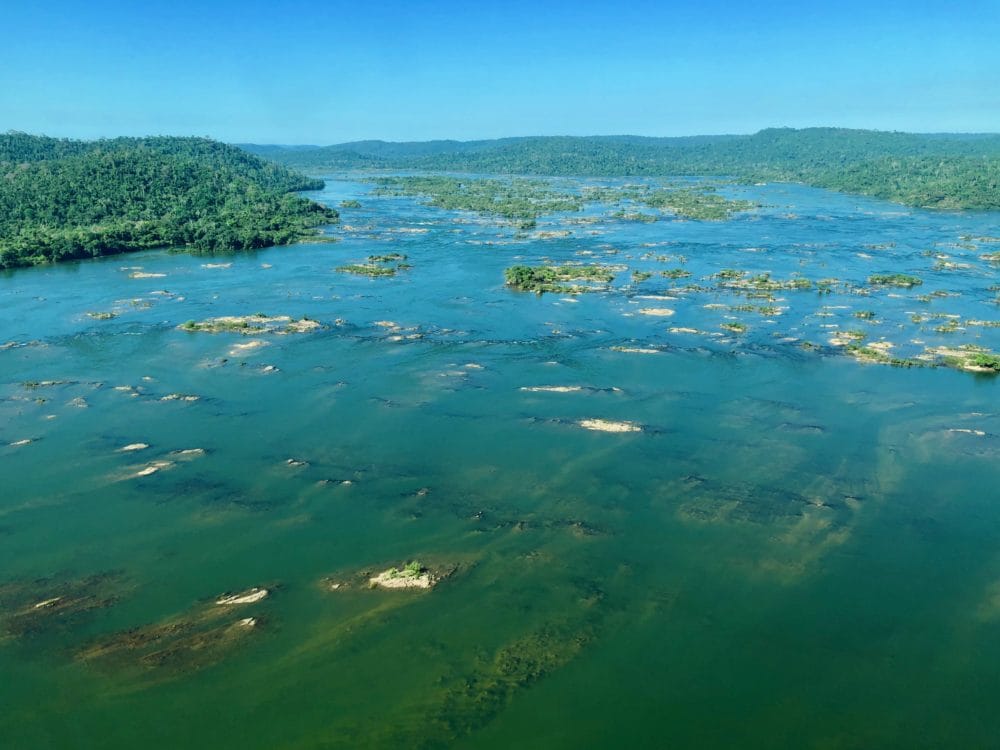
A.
pixel 306 73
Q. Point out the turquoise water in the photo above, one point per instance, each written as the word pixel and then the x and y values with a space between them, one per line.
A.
pixel 796 549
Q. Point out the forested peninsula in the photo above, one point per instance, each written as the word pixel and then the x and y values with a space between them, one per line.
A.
pixel 65 199
pixel 946 171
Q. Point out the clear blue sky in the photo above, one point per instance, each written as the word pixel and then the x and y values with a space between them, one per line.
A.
pixel 324 72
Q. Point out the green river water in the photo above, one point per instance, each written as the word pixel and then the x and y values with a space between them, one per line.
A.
pixel 794 549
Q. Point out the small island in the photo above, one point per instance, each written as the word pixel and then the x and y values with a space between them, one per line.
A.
pixel 377 266
pixel 252 325
pixel 412 575
pixel 541 279
pixel 409 575
pixel 517 199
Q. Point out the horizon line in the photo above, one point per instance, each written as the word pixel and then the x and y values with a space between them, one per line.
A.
pixel 266 142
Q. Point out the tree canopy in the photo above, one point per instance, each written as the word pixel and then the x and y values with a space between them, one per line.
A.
pixel 64 199
pixel 937 170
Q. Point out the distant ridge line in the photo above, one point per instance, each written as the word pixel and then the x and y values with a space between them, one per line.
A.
pixel 937 170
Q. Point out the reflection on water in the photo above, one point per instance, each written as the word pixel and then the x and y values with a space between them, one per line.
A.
pixel 780 546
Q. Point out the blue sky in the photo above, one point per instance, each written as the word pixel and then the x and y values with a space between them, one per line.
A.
pixel 325 72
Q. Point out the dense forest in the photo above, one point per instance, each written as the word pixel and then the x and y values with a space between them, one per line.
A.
pixel 938 170
pixel 63 199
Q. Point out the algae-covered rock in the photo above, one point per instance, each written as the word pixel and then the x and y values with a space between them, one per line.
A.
pixel 196 638
pixel 55 603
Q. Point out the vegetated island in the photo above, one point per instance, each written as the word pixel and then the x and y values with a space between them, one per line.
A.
pixel 377 266
pixel 950 170
pixel 522 201
pixel 519 200
pixel 64 199
pixel 541 279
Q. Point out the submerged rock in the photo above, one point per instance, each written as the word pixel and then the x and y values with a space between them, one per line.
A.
pixel 634 350
pixel 249 346
pixel 202 635
pixel 49 604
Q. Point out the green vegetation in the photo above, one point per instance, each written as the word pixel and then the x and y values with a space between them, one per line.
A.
pixel 987 360
pixel 515 199
pixel 639 276
pixel 767 310
pixel 523 201
pixel 877 356
pixel 387 258
pixel 62 199
pixel 479 696
pixel 968 357
pixel 543 279
pixel 377 266
pixel 251 324
pixel 741 280
pixel 703 204
pixel 350 204
pixel 214 327
pixel 635 216
pixel 937 171
pixel 676 273
pixel 411 570
pixel 371 270
pixel 895 279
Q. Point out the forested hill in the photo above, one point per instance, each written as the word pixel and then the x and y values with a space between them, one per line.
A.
pixel 937 170
pixel 63 199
